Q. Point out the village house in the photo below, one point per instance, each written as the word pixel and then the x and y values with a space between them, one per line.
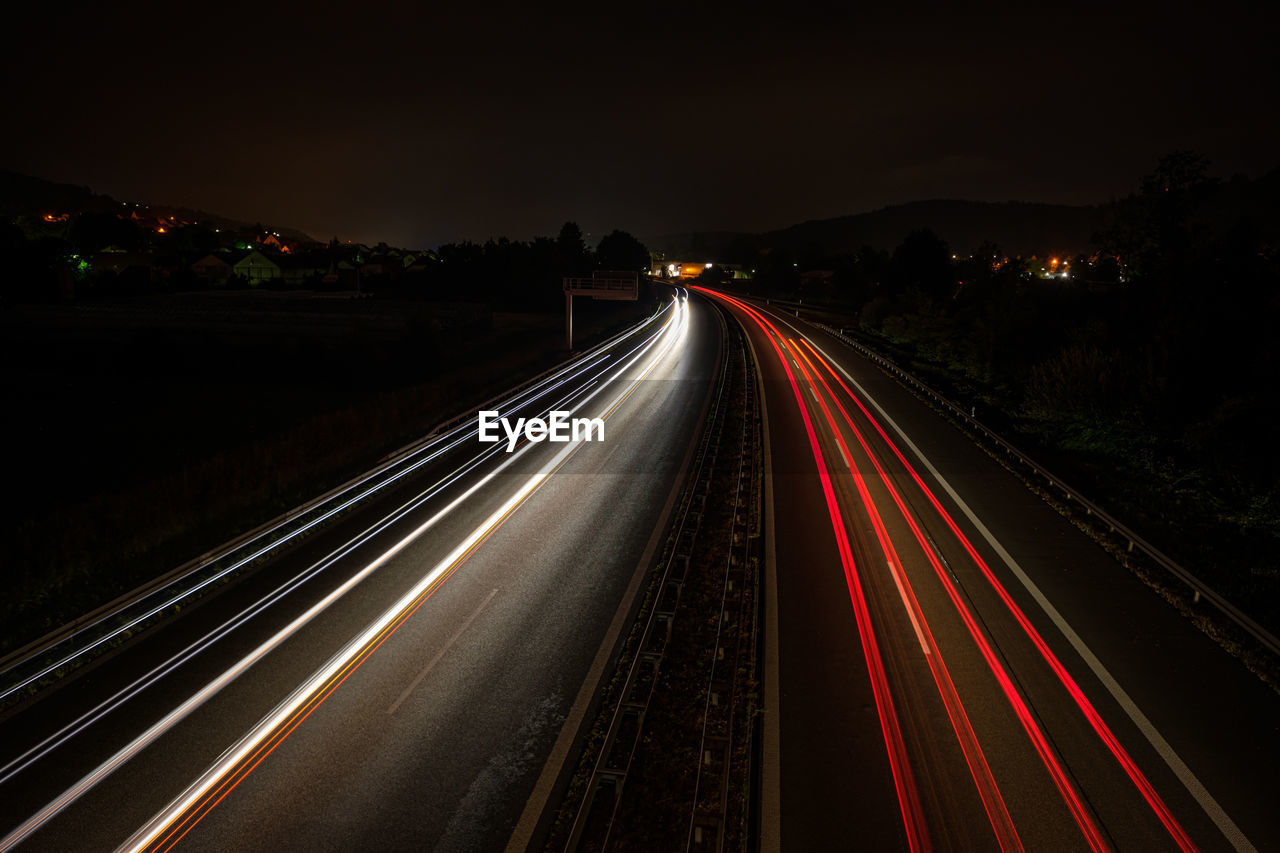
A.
pixel 212 269
pixel 274 241
pixel 256 268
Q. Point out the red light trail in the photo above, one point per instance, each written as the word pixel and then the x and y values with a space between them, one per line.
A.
pixel 904 781
pixel 973 754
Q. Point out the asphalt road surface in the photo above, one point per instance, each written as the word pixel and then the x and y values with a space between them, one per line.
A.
pixel 954 666
pixel 950 663
pixel 409 693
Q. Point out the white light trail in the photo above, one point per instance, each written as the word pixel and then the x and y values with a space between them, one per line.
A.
pixel 459 433
pixel 17 764
pixel 673 331
pixel 40 750
pixel 283 712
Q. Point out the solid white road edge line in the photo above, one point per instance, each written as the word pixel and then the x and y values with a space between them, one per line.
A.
pixel 448 644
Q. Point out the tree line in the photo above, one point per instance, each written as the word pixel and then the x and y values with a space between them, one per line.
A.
pixel 48 264
pixel 528 274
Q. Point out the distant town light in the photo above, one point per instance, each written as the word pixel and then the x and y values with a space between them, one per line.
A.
pixel 708 264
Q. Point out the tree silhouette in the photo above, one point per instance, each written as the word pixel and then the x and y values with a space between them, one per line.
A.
pixel 922 261
pixel 575 259
pixel 620 251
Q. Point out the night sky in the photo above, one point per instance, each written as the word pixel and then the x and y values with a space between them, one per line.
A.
pixel 419 124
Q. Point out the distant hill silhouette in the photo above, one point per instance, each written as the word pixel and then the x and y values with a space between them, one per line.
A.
pixel 23 195
pixel 1019 228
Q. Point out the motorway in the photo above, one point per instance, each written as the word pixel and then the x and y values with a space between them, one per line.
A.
pixel 952 665
pixel 419 683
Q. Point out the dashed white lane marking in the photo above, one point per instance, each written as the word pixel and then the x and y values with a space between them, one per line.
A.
pixel 443 650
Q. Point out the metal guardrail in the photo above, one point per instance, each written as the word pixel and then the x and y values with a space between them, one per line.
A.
pixel 587 285
pixel 1200 590
pixel 735 639
pixel 98 626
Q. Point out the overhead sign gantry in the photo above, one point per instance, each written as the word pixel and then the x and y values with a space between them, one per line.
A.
pixel 603 284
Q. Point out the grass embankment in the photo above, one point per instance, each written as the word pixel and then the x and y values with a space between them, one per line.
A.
pixel 152 433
